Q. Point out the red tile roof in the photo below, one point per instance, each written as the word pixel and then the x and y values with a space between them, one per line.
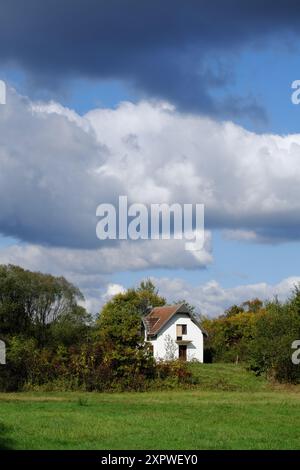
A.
pixel 158 317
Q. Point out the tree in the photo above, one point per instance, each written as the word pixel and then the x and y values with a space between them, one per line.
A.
pixel 119 324
pixel 230 336
pixel 233 310
pixel 119 329
pixel 275 331
pixel 295 298
pixel 140 299
pixel 14 316
pixel 148 297
pixel 119 334
pixel 251 306
pixel 31 301
pixel 170 348
pixel 72 327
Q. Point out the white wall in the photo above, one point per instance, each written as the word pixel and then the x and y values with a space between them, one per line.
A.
pixel 194 334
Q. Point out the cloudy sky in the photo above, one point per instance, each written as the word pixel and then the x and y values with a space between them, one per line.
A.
pixel 172 101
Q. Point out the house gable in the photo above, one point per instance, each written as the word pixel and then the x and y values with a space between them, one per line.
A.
pixel 159 317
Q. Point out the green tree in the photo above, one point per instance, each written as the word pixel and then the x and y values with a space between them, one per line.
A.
pixel 31 301
pixel 72 327
pixel 140 300
pixel 119 330
pixel 230 336
pixel 148 296
pixel 120 335
pixel 274 334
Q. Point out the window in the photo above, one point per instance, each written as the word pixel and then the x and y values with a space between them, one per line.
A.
pixel 151 337
pixel 181 330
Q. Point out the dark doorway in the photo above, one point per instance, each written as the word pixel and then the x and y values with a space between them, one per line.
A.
pixel 182 352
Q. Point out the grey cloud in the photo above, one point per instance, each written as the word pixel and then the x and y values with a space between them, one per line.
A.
pixel 163 48
pixel 48 185
pixel 56 167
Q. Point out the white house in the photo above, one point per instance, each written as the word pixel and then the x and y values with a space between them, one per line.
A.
pixel 174 333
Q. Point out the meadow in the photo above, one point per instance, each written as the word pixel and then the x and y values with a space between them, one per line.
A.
pixel 230 408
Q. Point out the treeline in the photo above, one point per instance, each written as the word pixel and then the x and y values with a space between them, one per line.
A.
pixel 258 334
pixel 54 343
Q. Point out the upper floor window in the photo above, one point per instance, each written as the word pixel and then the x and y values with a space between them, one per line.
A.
pixel 181 330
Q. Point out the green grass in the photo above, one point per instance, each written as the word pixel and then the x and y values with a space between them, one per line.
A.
pixel 253 416
pixel 227 377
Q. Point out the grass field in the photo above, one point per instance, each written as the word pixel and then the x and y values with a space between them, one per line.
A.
pixel 230 409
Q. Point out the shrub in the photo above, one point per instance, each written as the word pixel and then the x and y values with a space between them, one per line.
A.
pixel 271 348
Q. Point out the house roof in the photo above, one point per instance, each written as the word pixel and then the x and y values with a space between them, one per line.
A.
pixel 159 316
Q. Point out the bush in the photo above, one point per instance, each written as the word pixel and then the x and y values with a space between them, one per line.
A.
pixel 177 370
pixel 271 348
pixel 21 355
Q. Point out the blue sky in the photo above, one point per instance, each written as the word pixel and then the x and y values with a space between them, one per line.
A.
pixel 241 74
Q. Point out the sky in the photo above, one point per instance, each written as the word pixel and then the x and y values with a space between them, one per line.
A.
pixel 176 102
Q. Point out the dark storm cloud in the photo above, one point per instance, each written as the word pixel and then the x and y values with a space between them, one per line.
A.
pixel 163 48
